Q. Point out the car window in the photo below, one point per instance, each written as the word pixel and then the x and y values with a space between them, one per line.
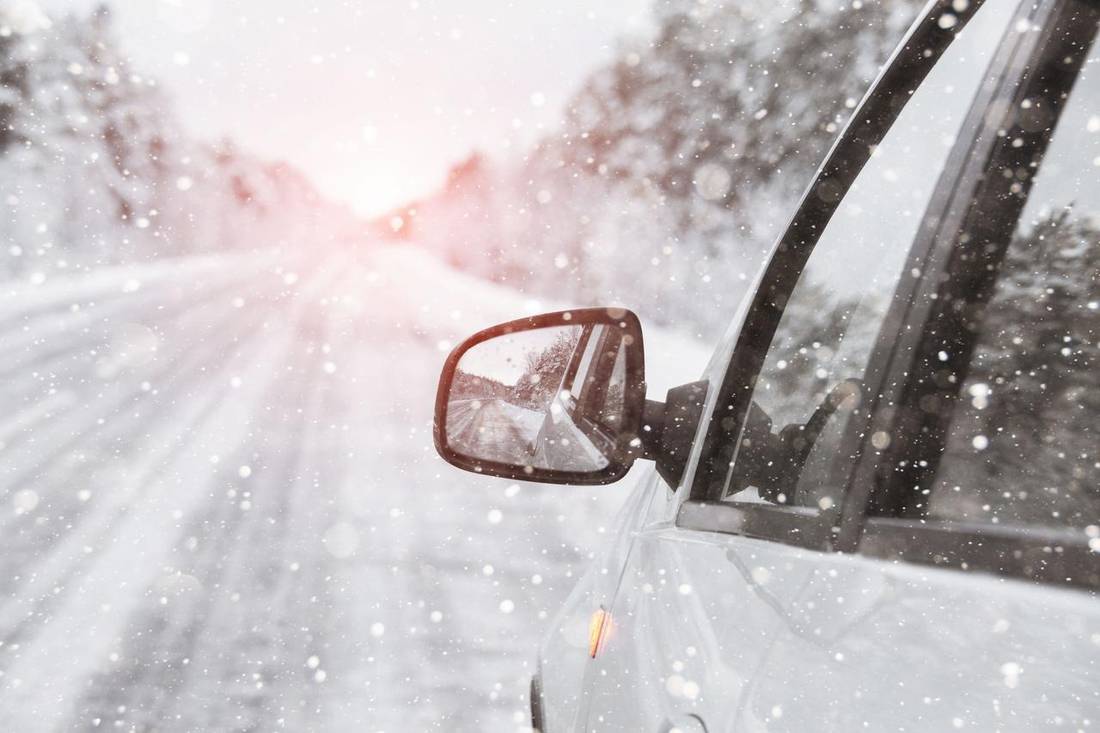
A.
pixel 598 396
pixel 812 374
pixel 1022 443
pixel 591 339
pixel 614 394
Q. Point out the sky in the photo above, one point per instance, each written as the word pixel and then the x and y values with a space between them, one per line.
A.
pixel 372 99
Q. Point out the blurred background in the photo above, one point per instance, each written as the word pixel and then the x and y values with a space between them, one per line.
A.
pixel 237 241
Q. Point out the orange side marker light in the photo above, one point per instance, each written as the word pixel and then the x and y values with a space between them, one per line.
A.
pixel 598 627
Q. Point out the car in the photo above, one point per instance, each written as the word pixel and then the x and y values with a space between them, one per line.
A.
pixel 879 509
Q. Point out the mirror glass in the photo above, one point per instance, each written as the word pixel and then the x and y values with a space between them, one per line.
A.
pixel 548 398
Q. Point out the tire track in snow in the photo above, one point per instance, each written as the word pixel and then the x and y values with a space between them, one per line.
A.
pixel 32 344
pixel 70 458
pixel 161 373
pixel 105 582
pixel 170 374
pixel 223 423
pixel 67 560
pixel 428 641
pixel 409 538
pixel 21 304
pixel 206 649
pixel 272 608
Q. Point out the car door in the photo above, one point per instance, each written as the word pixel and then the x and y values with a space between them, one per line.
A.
pixel 977 565
pixel 735 612
pixel 580 424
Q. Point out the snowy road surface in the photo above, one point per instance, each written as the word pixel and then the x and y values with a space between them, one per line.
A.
pixel 493 429
pixel 221 510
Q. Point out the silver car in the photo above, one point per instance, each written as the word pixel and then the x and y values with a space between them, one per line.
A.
pixel 879 508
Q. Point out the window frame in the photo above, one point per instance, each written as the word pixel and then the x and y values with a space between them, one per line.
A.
pixel 912 60
pixel 1046 554
pixel 580 407
pixel 1037 554
pixel 569 379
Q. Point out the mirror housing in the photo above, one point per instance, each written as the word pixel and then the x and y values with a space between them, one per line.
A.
pixel 668 429
pixel 492 416
pixel 556 398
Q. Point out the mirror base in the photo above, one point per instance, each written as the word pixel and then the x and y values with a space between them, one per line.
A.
pixel 669 427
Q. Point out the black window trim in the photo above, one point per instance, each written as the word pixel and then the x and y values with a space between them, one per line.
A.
pixel 1029 552
pixel 913 59
pixel 1023 552
pixel 1036 554
pixel 962 172
pixel 797 526
pixel 825 530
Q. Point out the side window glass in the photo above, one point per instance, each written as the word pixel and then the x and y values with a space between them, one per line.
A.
pixel 812 374
pixel 1023 445
pixel 576 386
pixel 612 403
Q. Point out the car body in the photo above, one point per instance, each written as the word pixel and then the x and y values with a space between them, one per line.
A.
pixel 586 402
pixel 925 339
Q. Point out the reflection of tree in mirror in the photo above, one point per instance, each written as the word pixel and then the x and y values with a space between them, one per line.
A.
pixel 474 386
pixel 545 369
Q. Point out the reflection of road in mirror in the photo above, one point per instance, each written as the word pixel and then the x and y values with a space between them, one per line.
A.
pixel 536 398
pixel 493 429
pixel 563 446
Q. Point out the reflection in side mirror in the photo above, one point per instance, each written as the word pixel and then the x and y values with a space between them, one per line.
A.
pixel 554 398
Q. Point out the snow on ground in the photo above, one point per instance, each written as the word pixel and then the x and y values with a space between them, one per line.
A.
pixel 220 509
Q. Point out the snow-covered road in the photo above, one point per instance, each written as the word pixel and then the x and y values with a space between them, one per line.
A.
pixel 221 509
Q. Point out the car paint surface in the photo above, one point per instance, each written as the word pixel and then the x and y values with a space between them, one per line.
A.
pixel 720 632
pixel 755 635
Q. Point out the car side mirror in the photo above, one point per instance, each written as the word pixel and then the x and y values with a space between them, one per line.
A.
pixel 560 398
pixel 555 398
